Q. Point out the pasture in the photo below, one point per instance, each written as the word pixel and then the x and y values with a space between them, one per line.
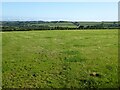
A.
pixel 60 59
pixel 50 24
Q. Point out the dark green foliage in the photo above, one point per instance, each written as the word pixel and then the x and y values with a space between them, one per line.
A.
pixel 55 25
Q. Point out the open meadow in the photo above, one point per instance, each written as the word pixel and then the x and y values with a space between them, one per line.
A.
pixel 60 59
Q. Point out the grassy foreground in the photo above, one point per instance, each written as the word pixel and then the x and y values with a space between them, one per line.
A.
pixel 60 59
pixel 0 60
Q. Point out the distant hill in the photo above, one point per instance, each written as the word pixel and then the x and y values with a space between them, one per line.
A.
pixel 56 25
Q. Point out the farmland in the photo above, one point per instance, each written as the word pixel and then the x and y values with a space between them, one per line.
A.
pixel 60 59
pixel 56 25
pixel 0 60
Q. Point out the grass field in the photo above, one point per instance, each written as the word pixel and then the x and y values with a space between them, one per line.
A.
pixel 68 24
pixel 60 59
pixel 0 60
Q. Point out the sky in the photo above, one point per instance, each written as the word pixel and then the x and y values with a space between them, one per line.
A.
pixel 60 0
pixel 64 11
pixel 119 11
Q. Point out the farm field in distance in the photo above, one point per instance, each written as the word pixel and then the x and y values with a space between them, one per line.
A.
pixel 60 59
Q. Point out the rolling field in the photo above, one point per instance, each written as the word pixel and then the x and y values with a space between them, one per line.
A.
pixel 0 60
pixel 60 59
pixel 68 24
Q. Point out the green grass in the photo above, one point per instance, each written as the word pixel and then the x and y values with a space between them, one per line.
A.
pixel 68 24
pixel 60 59
pixel 0 60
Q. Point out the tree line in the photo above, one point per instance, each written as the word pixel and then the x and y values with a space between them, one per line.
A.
pixel 39 25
